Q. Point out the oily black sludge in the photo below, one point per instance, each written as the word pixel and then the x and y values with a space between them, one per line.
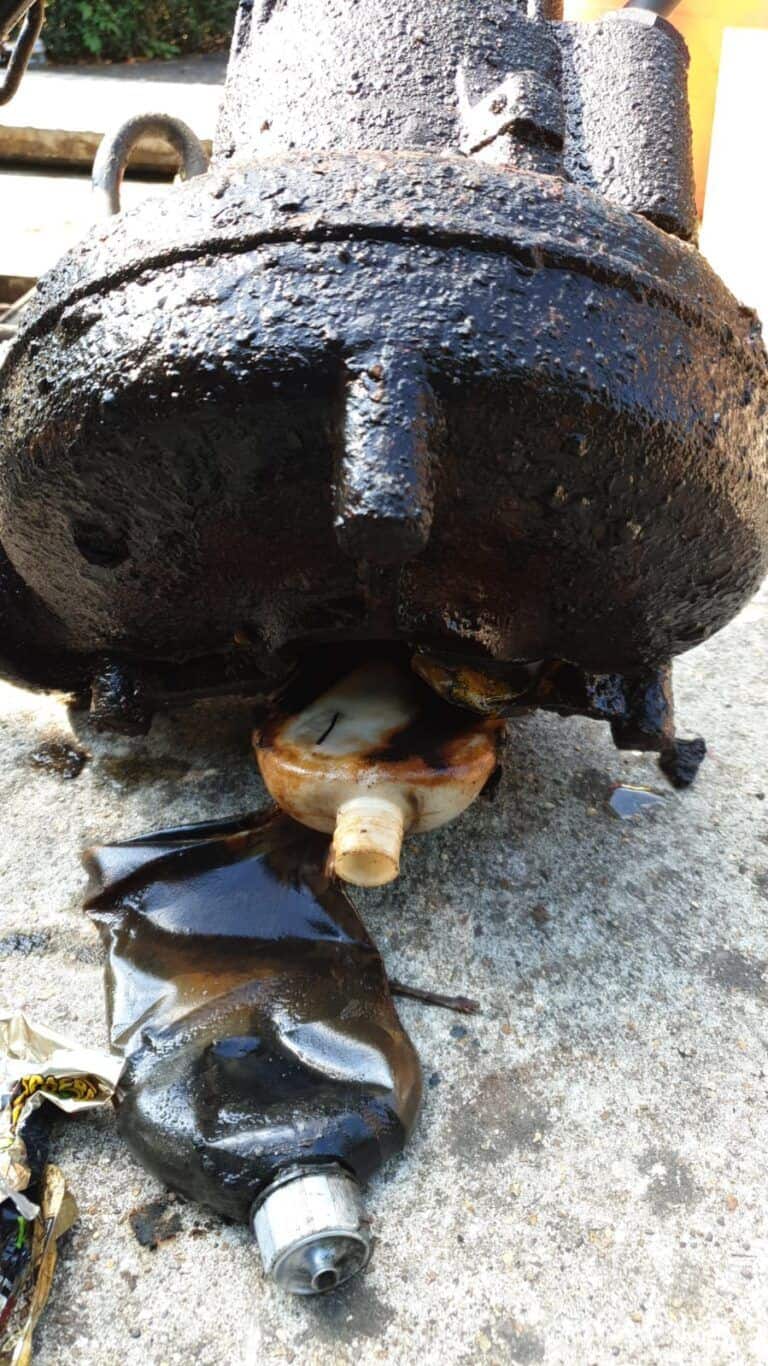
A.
pixel 252 1009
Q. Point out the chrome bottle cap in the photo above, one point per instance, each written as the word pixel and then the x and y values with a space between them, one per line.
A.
pixel 310 1229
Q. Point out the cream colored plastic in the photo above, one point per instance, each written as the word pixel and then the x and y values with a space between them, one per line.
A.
pixel 374 758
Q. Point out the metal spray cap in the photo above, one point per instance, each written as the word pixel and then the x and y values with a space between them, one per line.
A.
pixel 310 1229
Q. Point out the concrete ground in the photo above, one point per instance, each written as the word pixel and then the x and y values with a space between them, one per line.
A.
pixel 587 1180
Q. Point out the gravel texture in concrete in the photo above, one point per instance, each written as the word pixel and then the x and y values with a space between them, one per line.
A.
pixel 587 1180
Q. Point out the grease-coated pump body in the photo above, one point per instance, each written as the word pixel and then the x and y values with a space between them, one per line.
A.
pixel 428 356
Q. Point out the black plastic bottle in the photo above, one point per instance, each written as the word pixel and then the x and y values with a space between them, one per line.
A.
pixel 267 1073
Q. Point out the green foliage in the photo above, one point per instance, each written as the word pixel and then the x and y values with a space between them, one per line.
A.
pixel 112 30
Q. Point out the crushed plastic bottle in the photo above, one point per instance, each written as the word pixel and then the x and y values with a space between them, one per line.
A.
pixel 262 1047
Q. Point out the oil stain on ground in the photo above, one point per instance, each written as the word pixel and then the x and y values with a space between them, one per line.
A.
pixel 672 1185
pixel 736 972
pixel 354 1311
pixel 134 770
pixel 23 945
pixel 155 1223
pixel 520 1344
pixel 500 1116
pixel 60 758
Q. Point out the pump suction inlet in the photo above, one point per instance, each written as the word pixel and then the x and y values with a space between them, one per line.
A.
pixel 311 1231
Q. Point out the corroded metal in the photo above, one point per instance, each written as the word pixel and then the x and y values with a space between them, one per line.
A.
pixel 423 359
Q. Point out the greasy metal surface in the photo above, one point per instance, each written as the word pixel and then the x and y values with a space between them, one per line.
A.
pixel 629 128
pixel 398 395
pixel 315 74
pixel 597 389
pixel 252 1008
pixel 642 706
pixel 391 420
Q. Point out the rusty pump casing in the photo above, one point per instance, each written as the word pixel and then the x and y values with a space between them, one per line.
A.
pixel 427 358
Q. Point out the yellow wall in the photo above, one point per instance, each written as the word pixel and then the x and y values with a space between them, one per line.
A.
pixel 701 22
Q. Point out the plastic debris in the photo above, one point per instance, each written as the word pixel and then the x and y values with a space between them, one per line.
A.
pixel 267 1073
pixel 37 1065
pixel 58 1212
pixel 373 758
pixel 231 943
pixel 627 801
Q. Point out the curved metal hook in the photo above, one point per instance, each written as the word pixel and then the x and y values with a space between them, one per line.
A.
pixel 33 15
pixel 115 150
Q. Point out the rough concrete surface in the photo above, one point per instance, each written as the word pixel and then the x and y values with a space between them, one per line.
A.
pixel 587 1181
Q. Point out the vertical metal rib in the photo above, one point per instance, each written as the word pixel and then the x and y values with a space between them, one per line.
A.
pixel 384 479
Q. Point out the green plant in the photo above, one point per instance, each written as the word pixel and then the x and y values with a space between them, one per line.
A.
pixel 112 30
